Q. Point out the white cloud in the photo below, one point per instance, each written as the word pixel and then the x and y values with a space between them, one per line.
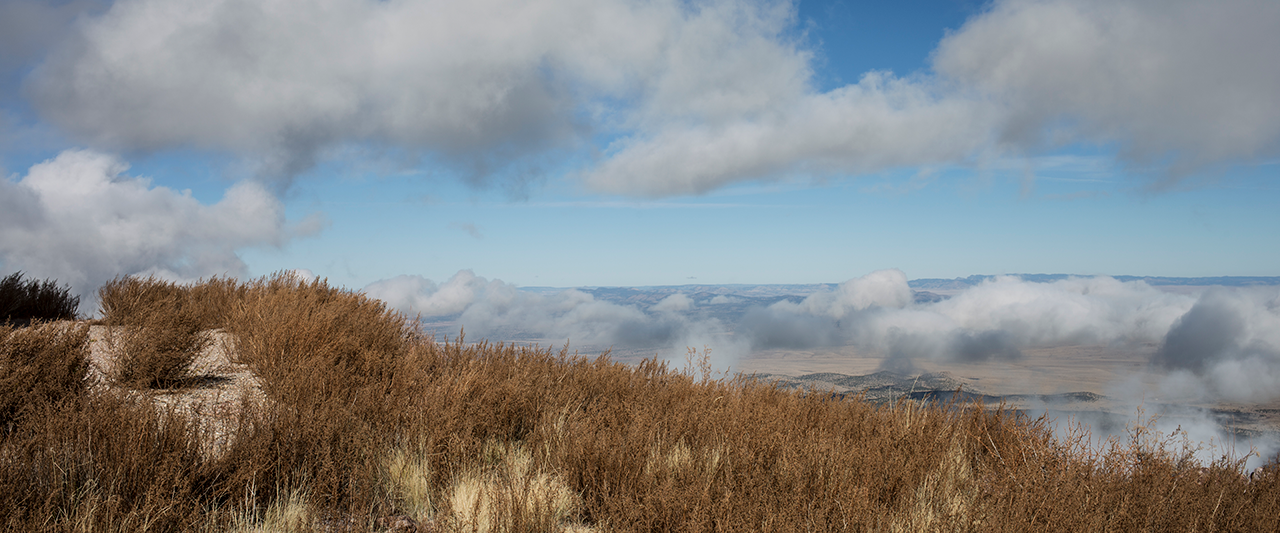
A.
pixel 1227 346
pixel 78 218
pixel 882 288
pixel 479 82
pixel 497 310
pixel 676 303
pixel 881 122
pixel 693 95
pixel 414 295
pixel 1196 80
pixel 1220 344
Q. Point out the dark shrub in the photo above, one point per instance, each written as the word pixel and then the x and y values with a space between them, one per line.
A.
pixel 24 301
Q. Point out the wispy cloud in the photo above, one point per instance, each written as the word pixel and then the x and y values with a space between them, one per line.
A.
pixel 468 228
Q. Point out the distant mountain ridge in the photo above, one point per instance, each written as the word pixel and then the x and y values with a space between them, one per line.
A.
pixel 775 291
pixel 1226 281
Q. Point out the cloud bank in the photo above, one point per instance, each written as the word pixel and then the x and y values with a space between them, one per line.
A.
pixel 671 97
pixel 498 310
pixel 1223 343
pixel 80 219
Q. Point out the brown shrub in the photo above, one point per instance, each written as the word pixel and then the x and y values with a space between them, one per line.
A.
pixel 157 348
pixel 129 300
pixel 45 364
pixel 104 462
pixel 209 302
pixel 310 342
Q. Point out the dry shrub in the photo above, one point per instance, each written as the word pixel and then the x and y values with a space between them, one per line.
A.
pixel 129 300
pixel 156 346
pixel 310 342
pixel 45 364
pixel 102 462
pixel 25 301
pixel 332 362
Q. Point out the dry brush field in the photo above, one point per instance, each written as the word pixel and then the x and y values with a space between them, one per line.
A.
pixel 287 405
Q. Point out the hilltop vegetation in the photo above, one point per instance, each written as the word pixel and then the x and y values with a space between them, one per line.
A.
pixel 24 301
pixel 361 417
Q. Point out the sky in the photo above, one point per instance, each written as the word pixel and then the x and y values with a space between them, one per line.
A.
pixel 616 143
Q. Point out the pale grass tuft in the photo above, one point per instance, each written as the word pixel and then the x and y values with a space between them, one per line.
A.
pixel 945 500
pixel 408 477
pixel 289 514
pixel 510 495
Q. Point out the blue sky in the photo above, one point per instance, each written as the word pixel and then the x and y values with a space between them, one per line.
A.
pixel 658 143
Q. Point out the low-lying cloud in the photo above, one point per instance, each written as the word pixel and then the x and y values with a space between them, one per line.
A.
pixel 80 219
pixel 1223 343
pixel 689 96
pixel 1227 345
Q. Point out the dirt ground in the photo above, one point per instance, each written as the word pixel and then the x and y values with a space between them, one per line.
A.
pixel 220 387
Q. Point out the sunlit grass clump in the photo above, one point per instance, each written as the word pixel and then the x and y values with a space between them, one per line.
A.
pixel 364 424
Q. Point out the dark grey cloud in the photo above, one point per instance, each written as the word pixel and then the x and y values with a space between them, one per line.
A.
pixel 29 28
pixel 1211 330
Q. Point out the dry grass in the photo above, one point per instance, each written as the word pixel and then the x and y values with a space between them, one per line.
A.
pixel 366 419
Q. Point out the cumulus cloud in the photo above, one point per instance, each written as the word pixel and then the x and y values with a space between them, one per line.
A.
pixel 416 295
pixel 481 83
pixel 691 95
pixel 1184 79
pixel 723 300
pixel 80 219
pixel 29 27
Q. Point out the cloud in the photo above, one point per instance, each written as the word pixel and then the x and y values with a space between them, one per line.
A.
pixel 479 84
pixel 468 228
pixel 691 96
pixel 1227 345
pixel 882 288
pixel 78 218
pixel 994 320
pixel 414 295
pixel 880 123
pixel 676 303
pixel 1218 344
pixel 497 310
pixel 1187 80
